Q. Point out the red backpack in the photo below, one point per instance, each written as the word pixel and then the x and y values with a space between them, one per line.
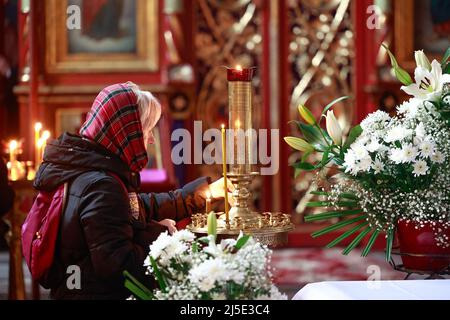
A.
pixel 41 227
pixel 40 230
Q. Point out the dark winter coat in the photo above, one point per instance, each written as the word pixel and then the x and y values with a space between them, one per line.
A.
pixel 98 235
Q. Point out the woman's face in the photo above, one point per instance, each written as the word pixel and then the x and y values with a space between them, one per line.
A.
pixel 155 115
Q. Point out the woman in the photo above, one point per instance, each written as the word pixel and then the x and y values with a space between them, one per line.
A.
pixel 107 227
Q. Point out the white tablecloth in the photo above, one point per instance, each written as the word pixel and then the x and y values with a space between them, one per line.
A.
pixel 376 290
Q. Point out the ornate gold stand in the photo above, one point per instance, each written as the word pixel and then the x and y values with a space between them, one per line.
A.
pixel 268 228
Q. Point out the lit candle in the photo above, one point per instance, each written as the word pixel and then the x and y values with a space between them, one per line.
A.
pixel 12 151
pixel 208 203
pixel 224 168
pixel 240 74
pixel 13 174
pixel 45 137
pixel 37 136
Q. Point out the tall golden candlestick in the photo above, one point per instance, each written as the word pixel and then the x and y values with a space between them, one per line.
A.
pixel 224 168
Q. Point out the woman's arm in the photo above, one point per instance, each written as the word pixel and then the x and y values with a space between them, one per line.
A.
pixel 176 205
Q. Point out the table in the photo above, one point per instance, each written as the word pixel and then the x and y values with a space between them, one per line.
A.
pixel 376 290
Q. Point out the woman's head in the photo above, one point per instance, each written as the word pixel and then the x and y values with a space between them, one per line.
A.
pixel 149 111
pixel 121 119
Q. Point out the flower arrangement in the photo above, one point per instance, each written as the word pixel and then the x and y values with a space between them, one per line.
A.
pixel 187 268
pixel 389 168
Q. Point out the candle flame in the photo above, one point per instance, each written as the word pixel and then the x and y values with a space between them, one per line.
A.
pixel 238 124
pixel 37 126
pixel 223 126
pixel 45 135
pixel 13 145
pixel 239 67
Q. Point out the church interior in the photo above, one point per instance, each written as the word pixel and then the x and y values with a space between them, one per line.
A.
pixel 56 56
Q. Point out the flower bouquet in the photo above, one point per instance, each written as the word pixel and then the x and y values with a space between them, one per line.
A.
pixel 187 268
pixel 392 172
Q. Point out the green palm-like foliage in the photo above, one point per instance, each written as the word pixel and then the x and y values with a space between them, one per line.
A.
pixel 355 218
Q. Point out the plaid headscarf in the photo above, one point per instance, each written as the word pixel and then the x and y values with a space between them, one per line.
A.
pixel 114 122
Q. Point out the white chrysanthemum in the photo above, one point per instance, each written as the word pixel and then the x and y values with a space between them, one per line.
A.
pixel 409 108
pixel 359 150
pixel 396 155
pixel 373 146
pixel 207 273
pixel 438 157
pixel 161 243
pixel 364 164
pixel 377 166
pixel 420 131
pixel 409 153
pixel 420 168
pixel 397 133
pixel 427 148
pixel 184 235
pixel 374 119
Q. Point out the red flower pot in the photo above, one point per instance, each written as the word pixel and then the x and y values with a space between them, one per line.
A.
pixel 418 246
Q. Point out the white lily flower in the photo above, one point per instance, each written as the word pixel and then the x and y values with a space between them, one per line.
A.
pixel 422 60
pixel 333 128
pixel 428 84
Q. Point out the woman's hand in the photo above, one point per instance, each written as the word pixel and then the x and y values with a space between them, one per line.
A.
pixel 217 190
pixel 170 224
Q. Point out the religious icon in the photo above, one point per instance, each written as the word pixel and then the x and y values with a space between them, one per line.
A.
pixel 106 26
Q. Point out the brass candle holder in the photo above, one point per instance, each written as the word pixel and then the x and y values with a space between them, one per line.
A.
pixel 268 228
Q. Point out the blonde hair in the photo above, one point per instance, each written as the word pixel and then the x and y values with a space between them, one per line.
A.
pixel 149 109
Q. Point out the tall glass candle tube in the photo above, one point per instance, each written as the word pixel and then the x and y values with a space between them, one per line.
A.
pixel 240 119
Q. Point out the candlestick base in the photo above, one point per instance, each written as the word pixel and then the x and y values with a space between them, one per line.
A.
pixel 268 228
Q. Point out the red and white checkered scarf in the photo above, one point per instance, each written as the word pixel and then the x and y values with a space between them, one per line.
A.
pixel 114 122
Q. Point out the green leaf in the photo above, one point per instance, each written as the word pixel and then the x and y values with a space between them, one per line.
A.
pixel 298 144
pixel 394 62
pixel 355 132
pixel 346 234
pixel 326 204
pixel 305 166
pixel 136 291
pixel 401 74
pixel 334 102
pixel 320 193
pixel 313 136
pixel 446 57
pixel 194 247
pixel 348 195
pixel 159 277
pixel 137 283
pixel 212 224
pixel 241 242
pixel 446 69
pixel 305 156
pixel 370 244
pixel 389 242
pixel 204 240
pixel 331 214
pixel 356 241
pixel 337 226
